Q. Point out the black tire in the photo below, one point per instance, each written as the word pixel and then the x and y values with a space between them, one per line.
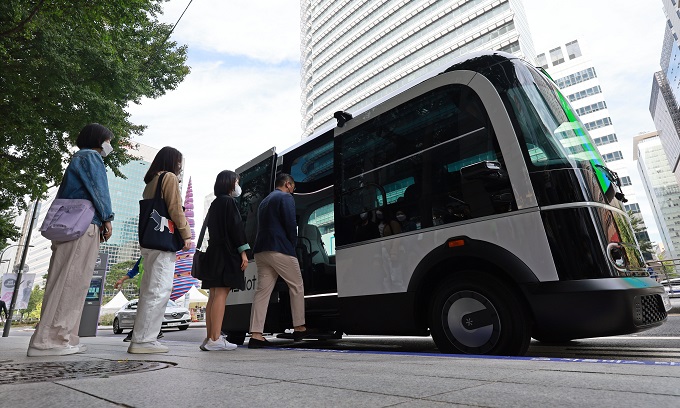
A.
pixel 116 327
pixel 474 297
pixel 186 326
pixel 236 337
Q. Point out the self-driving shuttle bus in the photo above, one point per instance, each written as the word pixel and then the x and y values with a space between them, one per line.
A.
pixel 472 206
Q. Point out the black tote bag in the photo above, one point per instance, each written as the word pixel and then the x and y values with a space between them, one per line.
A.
pixel 156 229
pixel 200 257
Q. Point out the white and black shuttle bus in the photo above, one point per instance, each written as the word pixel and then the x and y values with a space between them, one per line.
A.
pixel 510 225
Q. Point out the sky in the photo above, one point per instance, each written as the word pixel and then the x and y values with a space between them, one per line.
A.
pixel 243 94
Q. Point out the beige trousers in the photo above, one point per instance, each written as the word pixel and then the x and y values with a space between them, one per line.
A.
pixel 271 265
pixel 70 271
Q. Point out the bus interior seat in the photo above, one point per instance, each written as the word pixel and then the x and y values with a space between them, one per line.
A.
pixel 317 249
pixel 320 259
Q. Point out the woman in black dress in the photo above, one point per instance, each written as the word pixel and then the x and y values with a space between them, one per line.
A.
pixel 226 257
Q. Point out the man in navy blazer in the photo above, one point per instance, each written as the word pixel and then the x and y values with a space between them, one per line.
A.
pixel 274 251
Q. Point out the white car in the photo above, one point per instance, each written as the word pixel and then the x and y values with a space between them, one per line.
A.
pixel 672 287
pixel 175 316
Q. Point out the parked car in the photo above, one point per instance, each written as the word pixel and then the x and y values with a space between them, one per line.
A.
pixel 672 287
pixel 175 316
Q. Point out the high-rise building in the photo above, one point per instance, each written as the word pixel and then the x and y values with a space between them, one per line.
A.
pixel 665 97
pixel 662 189
pixel 359 51
pixel 577 78
pixel 125 196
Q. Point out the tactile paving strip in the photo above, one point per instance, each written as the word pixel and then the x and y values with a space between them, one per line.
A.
pixel 17 373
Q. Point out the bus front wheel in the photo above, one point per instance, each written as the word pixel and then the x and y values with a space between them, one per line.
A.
pixel 475 313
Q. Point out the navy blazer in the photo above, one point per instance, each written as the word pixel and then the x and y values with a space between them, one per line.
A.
pixel 276 227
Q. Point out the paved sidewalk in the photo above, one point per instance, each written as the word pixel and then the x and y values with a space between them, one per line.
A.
pixel 302 378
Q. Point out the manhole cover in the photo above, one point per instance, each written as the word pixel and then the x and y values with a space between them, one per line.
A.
pixel 16 373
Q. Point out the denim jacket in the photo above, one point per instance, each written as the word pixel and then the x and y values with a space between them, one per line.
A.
pixel 85 178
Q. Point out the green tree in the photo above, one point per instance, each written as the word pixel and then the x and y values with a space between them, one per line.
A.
pixel 638 227
pixel 68 63
pixel 117 271
pixel 34 303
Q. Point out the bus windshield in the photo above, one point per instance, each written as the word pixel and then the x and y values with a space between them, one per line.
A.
pixel 554 136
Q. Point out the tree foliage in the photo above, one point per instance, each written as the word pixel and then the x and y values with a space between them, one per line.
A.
pixel 117 271
pixel 64 64
pixel 34 303
pixel 639 227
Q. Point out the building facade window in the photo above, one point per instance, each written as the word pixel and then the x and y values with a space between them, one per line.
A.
pixel 591 108
pixel 576 78
pixel 573 50
pixel 610 138
pixel 542 61
pixel 634 207
pixel 596 124
pixel 625 181
pixel 613 156
pixel 585 93
pixel 556 56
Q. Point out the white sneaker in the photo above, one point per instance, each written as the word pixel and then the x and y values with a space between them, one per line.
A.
pixel 55 351
pixel 219 345
pixel 81 348
pixel 151 347
pixel 202 346
pixel 230 346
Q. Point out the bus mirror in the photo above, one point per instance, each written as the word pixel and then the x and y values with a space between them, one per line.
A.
pixel 483 170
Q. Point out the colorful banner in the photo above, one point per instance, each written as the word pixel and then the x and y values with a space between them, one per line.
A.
pixel 25 289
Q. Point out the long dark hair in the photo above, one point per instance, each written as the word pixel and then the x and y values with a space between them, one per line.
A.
pixel 225 183
pixel 167 159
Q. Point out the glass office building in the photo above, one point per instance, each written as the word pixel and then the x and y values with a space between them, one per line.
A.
pixel 357 52
pixel 125 196
pixel 665 98
pixel 661 188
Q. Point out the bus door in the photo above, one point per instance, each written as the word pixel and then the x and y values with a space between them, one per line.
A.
pixel 256 181
pixel 311 166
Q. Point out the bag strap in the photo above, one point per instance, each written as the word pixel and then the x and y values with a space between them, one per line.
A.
pixel 200 236
pixel 159 185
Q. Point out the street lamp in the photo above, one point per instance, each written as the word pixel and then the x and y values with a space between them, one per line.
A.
pixel 4 250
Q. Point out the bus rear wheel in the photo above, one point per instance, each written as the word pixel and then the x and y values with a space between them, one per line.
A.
pixel 475 313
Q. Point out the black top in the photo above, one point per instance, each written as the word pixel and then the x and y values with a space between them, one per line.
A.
pixel 223 261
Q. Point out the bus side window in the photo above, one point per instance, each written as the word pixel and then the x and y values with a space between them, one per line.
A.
pixel 415 153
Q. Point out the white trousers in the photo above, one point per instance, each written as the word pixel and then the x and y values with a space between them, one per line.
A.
pixel 154 293
pixel 70 271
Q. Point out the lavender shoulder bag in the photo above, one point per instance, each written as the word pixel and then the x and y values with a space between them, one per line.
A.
pixel 67 219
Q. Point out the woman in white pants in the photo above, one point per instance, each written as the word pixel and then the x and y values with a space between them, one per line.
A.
pixel 159 266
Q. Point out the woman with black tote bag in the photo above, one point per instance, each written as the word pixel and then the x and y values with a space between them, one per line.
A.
pixel 159 264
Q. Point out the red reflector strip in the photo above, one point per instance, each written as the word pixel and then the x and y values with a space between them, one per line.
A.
pixel 456 243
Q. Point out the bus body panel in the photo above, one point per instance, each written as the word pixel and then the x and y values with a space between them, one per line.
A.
pixel 396 259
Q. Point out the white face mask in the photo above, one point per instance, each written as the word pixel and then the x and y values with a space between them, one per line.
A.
pixel 237 191
pixel 106 149
pixel 401 217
